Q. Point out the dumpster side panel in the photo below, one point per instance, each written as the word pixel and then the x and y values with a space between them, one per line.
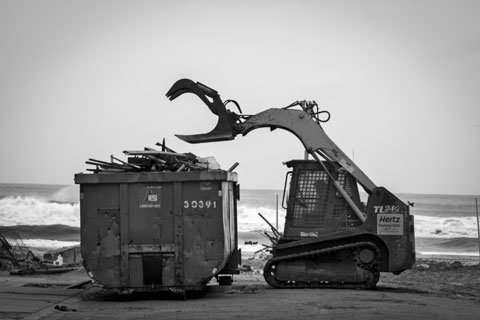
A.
pixel 152 232
pixel 203 230
pixel 151 235
pixel 100 232
pixel 229 229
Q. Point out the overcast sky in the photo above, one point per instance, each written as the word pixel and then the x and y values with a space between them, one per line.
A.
pixel 87 79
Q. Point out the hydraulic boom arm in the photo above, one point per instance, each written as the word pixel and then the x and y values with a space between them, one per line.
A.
pixel 304 124
pixel 310 133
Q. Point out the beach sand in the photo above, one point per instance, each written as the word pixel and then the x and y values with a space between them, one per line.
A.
pixel 437 287
pixel 431 290
pixel 452 276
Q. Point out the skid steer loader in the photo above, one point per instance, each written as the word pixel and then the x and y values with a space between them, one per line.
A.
pixel 331 238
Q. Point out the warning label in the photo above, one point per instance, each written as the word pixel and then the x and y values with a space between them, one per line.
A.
pixel 390 224
pixel 149 197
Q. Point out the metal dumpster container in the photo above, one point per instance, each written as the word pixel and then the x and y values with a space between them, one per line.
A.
pixel 152 231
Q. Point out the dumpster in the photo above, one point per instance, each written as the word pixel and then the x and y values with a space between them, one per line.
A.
pixel 156 231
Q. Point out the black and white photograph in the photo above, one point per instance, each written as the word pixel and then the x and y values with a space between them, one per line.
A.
pixel 310 159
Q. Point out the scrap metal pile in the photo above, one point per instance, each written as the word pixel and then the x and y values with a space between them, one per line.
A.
pixel 150 159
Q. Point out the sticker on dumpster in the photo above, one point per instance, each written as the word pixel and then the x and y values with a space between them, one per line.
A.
pixel 390 224
pixel 149 197
pixel 205 186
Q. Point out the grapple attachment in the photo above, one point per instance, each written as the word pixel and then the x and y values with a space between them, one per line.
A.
pixel 226 119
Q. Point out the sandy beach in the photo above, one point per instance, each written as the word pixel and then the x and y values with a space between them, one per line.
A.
pixel 437 287
pixel 431 290
pixel 453 276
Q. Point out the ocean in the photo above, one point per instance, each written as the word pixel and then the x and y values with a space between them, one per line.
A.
pixel 444 224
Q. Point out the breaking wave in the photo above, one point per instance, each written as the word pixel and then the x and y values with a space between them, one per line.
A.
pixel 445 227
pixel 33 211
pixel 48 244
pixel 249 220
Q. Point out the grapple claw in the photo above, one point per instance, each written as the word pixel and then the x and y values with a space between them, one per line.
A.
pixel 226 119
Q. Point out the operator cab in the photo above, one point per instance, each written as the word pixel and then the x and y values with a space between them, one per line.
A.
pixel 314 205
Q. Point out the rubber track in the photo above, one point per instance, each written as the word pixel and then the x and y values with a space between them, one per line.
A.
pixel 327 284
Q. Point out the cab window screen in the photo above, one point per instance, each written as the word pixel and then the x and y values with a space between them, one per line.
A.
pixel 310 199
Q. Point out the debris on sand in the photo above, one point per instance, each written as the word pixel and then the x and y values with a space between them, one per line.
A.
pixel 433 265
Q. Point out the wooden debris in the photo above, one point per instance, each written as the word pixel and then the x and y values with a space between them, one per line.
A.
pixel 149 159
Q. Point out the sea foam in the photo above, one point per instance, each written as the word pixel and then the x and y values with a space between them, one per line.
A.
pixel 49 244
pixel 250 220
pixel 445 227
pixel 33 211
